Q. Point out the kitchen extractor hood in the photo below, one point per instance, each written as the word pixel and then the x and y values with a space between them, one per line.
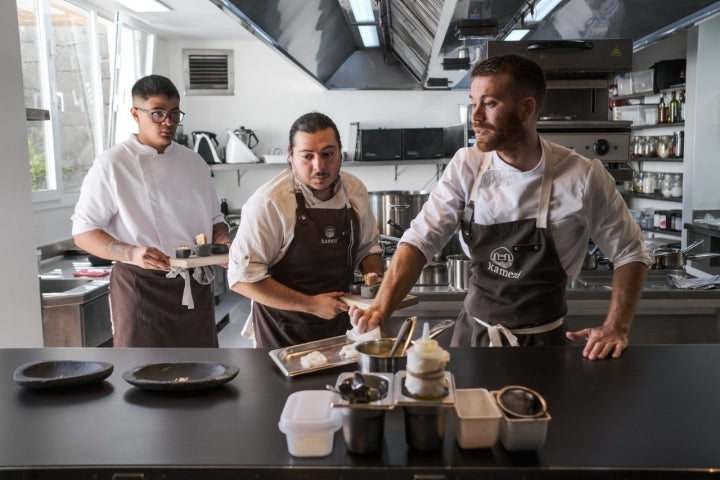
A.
pixel 431 44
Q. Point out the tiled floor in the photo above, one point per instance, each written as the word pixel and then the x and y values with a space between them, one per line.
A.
pixel 231 314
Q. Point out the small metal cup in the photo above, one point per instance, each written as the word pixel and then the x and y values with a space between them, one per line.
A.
pixel 363 429
pixel 424 427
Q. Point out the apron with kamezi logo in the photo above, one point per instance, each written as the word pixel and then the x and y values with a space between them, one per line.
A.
pixel 517 283
pixel 321 258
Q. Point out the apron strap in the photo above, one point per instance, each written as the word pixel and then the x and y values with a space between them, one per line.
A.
pixel 469 212
pixel 494 331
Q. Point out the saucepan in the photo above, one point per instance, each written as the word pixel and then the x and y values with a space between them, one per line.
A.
pixel 676 259
pixel 375 354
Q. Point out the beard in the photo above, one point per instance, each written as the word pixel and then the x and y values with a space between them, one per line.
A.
pixel 505 134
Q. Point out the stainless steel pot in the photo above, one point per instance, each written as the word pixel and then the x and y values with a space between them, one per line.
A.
pixel 459 272
pixel 375 354
pixel 398 206
pixel 676 259
pixel 433 274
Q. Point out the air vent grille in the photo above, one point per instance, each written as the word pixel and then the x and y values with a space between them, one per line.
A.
pixel 208 72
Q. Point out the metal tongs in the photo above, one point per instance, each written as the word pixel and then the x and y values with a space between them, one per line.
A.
pixel 406 333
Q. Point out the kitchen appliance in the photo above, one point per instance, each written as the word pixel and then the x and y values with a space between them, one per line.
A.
pixel 206 145
pixel 381 144
pixel 571 59
pixel 247 136
pixel 237 150
pixel 423 143
pixel 608 141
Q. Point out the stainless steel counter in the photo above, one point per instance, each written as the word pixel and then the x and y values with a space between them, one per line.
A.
pixel 75 310
pixel 664 314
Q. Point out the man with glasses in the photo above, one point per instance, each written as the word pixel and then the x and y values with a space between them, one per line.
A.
pixel 140 201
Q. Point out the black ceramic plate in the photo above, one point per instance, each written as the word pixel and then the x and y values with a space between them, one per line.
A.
pixel 180 375
pixel 61 373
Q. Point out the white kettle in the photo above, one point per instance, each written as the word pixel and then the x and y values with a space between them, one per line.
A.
pixel 236 151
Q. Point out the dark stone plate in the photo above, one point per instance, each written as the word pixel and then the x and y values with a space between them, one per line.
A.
pixel 61 373
pixel 180 376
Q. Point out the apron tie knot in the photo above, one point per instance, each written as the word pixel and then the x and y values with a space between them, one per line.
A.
pixel 494 331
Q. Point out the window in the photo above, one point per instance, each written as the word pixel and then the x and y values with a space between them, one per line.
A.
pixel 67 53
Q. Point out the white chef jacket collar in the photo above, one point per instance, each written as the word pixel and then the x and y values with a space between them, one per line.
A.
pixel 309 195
pixel 147 149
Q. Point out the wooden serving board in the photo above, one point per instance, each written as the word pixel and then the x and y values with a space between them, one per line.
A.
pixel 358 301
pixel 195 261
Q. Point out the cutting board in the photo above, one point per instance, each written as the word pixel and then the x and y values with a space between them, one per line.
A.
pixel 358 301
pixel 195 261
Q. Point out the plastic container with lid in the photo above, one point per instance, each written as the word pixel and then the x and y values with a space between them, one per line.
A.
pixel 309 423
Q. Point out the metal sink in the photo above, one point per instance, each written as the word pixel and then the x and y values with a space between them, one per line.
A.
pixel 59 290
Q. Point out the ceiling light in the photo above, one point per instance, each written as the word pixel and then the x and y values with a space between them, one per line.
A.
pixel 369 36
pixel 362 11
pixel 541 9
pixel 517 34
pixel 143 6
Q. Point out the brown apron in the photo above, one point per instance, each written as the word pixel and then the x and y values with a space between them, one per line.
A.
pixel 147 310
pixel 517 283
pixel 321 258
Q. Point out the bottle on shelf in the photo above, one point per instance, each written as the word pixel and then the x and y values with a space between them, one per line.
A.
pixel 224 207
pixel 682 106
pixel 674 109
pixel 662 110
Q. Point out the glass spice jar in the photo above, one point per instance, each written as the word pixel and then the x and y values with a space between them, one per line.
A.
pixel 676 187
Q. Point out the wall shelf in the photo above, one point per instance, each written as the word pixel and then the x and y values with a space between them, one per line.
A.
pixel 656 159
pixel 671 233
pixel 657 125
pixel 652 197
pixel 241 168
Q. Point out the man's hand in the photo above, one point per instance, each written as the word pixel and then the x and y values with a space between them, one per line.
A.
pixel 327 305
pixel 601 342
pixel 150 258
pixel 365 320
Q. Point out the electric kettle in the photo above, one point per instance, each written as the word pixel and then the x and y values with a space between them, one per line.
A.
pixel 247 136
pixel 206 145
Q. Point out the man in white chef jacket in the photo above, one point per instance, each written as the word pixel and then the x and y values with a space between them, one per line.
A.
pixel 526 209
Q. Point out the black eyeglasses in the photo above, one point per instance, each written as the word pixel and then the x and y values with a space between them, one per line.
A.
pixel 159 116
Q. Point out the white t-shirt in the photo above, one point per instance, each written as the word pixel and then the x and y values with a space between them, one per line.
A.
pixel 267 224
pixel 584 204
pixel 148 199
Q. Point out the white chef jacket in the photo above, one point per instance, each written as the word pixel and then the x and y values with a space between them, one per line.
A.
pixel 146 198
pixel 267 224
pixel 584 204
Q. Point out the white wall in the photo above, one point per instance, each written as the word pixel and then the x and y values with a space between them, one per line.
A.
pixel 702 145
pixel 271 92
pixel 20 318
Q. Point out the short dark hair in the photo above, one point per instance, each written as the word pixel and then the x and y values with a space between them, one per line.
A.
pixel 154 85
pixel 526 75
pixel 313 122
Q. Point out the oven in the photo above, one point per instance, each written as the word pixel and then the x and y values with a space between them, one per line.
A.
pixel 608 141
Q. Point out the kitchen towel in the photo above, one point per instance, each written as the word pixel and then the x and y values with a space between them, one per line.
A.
pixel 86 272
pixel 706 283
